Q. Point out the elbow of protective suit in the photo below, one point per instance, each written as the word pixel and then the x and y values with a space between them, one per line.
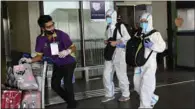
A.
pixel 159 44
pixel 159 47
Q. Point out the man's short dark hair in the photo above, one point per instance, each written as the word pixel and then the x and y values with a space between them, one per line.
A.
pixel 44 19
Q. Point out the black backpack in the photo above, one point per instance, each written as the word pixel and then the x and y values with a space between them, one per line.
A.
pixel 135 50
pixel 109 50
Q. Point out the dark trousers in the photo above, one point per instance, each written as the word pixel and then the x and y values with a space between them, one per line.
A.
pixel 67 93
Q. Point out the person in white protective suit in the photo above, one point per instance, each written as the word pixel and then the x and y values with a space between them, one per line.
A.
pixel 118 62
pixel 144 77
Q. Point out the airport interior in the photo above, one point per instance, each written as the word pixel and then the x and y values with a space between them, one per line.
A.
pixel 175 65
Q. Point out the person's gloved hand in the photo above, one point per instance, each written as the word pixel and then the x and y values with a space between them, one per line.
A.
pixel 121 45
pixel 64 53
pixel 148 44
pixel 26 60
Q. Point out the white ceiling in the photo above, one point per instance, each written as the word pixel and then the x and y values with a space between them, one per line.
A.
pixel 133 3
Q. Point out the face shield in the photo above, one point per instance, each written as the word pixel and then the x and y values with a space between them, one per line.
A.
pixel 146 22
pixel 111 17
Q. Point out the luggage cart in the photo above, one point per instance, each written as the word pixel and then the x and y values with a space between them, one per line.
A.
pixel 43 84
pixel 40 70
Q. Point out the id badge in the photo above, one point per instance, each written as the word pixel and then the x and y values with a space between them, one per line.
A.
pixel 54 49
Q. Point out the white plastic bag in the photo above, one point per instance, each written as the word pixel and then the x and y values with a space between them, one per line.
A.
pixel 24 76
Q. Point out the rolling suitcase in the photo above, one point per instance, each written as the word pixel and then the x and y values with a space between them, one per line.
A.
pixel 11 99
pixel 31 100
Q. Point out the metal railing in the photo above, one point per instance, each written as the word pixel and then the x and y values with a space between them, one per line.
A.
pixel 94 49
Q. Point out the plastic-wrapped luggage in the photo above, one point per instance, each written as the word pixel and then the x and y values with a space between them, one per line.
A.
pixel 11 99
pixel 37 72
pixel 10 78
pixel 39 82
pixel 31 100
pixel 24 76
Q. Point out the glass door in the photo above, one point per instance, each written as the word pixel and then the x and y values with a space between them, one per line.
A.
pixel 94 34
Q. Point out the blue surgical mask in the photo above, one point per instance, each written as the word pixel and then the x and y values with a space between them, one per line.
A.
pixel 144 26
pixel 109 20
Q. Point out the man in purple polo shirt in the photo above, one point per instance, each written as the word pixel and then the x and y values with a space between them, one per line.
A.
pixel 57 45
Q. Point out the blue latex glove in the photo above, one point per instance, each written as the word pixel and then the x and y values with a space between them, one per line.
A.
pixel 26 58
pixel 148 44
pixel 26 55
pixel 121 45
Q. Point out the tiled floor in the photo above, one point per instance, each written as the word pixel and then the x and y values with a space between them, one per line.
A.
pixel 174 96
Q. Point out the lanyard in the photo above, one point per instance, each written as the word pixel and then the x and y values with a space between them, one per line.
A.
pixel 53 39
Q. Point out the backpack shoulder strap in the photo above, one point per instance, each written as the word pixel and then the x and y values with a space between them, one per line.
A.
pixel 118 26
pixel 150 33
pixel 149 55
pixel 107 27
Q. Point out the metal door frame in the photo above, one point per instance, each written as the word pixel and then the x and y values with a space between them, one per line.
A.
pixel 6 31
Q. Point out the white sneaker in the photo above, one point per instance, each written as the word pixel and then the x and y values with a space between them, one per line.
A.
pixel 106 99
pixel 154 100
pixel 123 99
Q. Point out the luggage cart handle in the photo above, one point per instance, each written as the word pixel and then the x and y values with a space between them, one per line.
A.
pixel 45 58
pixel 48 59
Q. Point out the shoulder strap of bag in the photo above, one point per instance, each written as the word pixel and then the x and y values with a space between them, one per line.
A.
pixel 118 26
pixel 115 33
pixel 149 55
pixel 107 27
pixel 119 29
pixel 150 33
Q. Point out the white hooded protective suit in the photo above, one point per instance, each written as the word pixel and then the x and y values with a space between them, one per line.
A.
pixel 118 62
pixel 144 77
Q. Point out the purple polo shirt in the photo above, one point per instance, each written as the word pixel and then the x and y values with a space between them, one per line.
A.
pixel 64 42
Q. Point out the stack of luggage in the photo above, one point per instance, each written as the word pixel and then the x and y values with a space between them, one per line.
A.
pixel 21 89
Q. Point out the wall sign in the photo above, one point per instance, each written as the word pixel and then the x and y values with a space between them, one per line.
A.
pixel 97 10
